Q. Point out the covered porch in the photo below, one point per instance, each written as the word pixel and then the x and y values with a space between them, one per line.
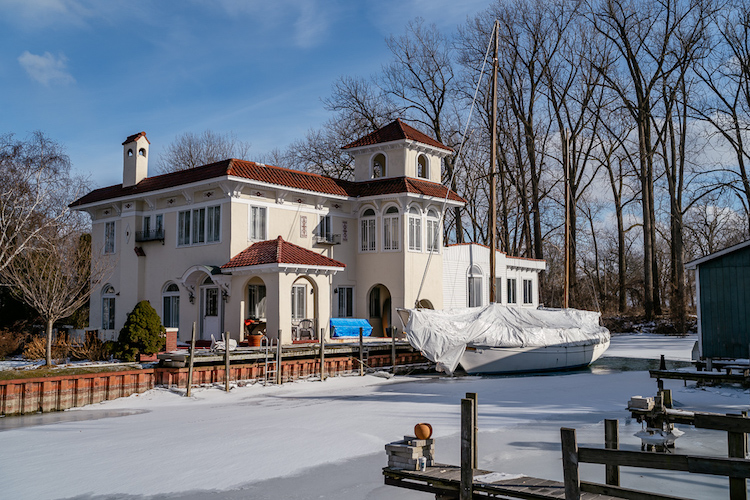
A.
pixel 280 289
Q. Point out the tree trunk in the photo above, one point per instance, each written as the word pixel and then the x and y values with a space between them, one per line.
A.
pixel 49 342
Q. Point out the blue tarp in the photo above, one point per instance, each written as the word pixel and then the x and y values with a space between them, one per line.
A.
pixel 349 327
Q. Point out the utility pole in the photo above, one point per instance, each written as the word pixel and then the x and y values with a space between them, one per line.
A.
pixel 566 173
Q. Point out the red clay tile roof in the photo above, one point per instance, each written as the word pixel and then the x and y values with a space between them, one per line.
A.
pixel 135 137
pixel 279 251
pixel 238 168
pixel 394 185
pixel 395 131
pixel 271 175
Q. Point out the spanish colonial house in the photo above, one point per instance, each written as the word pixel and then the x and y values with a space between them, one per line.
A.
pixel 235 240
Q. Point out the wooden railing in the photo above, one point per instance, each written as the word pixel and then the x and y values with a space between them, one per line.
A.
pixel 736 467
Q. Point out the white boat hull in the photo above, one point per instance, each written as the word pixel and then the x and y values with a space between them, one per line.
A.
pixel 486 359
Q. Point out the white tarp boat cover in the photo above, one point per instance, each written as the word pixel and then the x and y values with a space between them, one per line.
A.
pixel 442 336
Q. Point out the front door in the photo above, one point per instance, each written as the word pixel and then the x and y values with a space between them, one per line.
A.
pixel 210 319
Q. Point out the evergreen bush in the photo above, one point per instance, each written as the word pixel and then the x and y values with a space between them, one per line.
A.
pixel 142 333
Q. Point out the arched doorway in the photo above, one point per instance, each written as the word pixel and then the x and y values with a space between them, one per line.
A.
pixel 379 309
pixel 304 297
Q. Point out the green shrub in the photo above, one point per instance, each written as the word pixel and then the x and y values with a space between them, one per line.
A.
pixel 142 333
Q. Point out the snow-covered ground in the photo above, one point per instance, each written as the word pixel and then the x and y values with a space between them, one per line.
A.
pixel 325 440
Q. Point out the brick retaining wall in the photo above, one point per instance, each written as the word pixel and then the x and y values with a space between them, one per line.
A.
pixel 32 395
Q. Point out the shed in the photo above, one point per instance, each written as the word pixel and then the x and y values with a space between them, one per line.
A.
pixel 722 281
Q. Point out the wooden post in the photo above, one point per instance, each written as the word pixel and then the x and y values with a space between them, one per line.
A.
pixel 737 449
pixel 662 363
pixel 466 490
pixel 192 354
pixel 571 476
pixel 475 427
pixel 612 442
pixel 393 350
pixel 278 359
pixel 666 396
pixel 322 356
pixel 226 361
pixel 361 354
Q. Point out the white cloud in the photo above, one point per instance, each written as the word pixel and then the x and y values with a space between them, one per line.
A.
pixel 46 69
pixel 41 13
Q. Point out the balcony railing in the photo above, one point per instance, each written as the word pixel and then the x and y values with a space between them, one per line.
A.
pixel 150 235
pixel 328 239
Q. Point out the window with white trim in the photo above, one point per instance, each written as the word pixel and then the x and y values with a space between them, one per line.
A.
pixel 390 229
pixel 367 231
pixel 257 224
pixel 198 226
pixel 423 168
pixel 527 290
pixel 299 299
pixel 433 231
pixel 170 316
pixel 325 228
pixel 378 166
pixel 415 229
pixel 108 307
pixel 474 280
pixel 109 237
pixel 346 301
pixel 512 291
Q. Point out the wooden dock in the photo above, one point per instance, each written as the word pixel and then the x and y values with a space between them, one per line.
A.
pixel 444 481
pixel 466 482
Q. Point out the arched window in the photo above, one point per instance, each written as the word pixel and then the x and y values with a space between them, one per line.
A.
pixel 378 166
pixel 142 152
pixel 171 306
pixel 108 307
pixel 433 231
pixel 475 286
pixel 390 229
pixel 367 231
pixel 415 229
pixel 423 167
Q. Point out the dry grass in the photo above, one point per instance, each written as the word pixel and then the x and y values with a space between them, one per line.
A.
pixel 92 349
pixel 11 343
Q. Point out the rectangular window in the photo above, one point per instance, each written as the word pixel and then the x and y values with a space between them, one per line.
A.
pixel 213 223
pixel 108 313
pixel 433 236
pixel 159 219
pixel 299 294
pixel 212 302
pixel 475 292
pixel 527 297
pixel 199 225
pixel 171 316
pixel 146 224
pixel 390 233
pixel 511 290
pixel 415 234
pixel 183 228
pixel 325 228
pixel 346 301
pixel 256 295
pixel 257 230
pixel 109 237
pixel 368 235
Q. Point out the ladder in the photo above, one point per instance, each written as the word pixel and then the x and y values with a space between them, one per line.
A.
pixel 268 347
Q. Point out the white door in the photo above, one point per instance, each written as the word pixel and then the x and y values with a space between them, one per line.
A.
pixel 210 323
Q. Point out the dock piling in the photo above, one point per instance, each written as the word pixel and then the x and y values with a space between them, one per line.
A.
pixel 571 475
pixel 322 356
pixel 612 442
pixel 466 491
pixel 192 356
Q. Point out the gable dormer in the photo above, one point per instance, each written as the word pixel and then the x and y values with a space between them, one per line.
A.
pixel 134 159
pixel 397 150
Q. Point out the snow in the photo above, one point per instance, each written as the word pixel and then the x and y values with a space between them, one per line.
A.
pixel 326 439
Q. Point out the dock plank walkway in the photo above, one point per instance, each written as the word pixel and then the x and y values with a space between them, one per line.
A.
pixel 446 479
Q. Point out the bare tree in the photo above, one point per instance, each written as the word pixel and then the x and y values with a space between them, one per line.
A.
pixel 191 150
pixel 54 276
pixel 33 180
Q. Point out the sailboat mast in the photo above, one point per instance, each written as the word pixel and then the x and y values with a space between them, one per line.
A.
pixel 493 161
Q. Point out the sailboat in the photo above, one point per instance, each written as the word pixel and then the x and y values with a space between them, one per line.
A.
pixel 505 339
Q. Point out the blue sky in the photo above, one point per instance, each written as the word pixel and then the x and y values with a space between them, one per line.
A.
pixel 89 73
